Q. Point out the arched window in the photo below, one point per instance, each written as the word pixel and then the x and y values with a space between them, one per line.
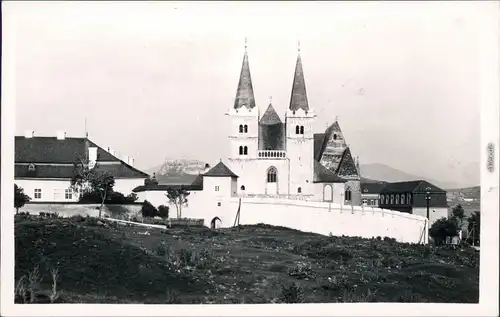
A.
pixel 402 199
pixel 397 199
pixel 31 167
pixel 301 129
pixel 409 199
pixel 272 175
pixel 245 150
pixel 297 130
pixel 299 190
pixel 241 128
pixel 335 136
pixel 347 195
pixel 242 187
pixel 241 150
pixel 245 128
pixel 392 199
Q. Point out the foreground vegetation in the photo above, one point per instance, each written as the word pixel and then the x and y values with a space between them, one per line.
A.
pixel 86 260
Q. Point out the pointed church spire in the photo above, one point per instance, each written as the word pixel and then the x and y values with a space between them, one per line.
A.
pixel 298 99
pixel 244 93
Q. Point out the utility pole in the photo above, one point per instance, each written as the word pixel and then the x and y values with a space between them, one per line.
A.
pixel 428 200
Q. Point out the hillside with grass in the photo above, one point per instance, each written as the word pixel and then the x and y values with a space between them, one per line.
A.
pixel 86 260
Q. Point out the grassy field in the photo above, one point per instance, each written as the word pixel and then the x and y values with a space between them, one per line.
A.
pixel 99 262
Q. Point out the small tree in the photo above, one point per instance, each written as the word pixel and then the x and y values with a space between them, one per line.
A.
pixel 458 214
pixel 177 197
pixel 20 198
pixel 443 228
pixel 474 227
pixel 163 211
pixel 148 210
pixel 89 181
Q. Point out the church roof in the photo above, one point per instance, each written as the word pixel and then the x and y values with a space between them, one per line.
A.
pixel 270 117
pixel 319 139
pixel 347 166
pixel 244 93
pixel 298 99
pixel 220 170
pixel 324 175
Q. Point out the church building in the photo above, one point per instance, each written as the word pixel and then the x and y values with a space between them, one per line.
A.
pixel 285 158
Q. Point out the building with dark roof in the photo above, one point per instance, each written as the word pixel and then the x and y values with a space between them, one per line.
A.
pixel 44 166
pixel 411 197
pixel 370 193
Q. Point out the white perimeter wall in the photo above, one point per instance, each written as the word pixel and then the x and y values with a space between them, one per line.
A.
pixel 310 216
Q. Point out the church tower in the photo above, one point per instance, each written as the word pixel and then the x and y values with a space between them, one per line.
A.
pixel 299 121
pixel 244 117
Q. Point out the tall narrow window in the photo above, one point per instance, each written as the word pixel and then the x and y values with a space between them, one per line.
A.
pixel 241 150
pixel 38 193
pixel 301 129
pixel 241 128
pixel 402 199
pixel 245 128
pixel 347 195
pixel 297 130
pixel 335 136
pixel 299 190
pixel 245 150
pixel 409 199
pixel 397 199
pixel 392 199
pixel 271 175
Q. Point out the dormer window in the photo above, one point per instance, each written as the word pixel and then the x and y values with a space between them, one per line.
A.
pixel 335 136
pixel 31 167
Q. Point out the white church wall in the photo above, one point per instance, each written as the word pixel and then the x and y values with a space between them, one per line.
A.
pixel 329 191
pixel 253 175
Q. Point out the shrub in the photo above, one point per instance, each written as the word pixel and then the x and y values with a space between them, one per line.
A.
pixel 443 228
pixel 161 250
pixel 148 210
pixel 302 270
pixel 163 211
pixel 291 294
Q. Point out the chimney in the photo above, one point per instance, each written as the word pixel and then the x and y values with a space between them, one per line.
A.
pixel 29 134
pixel 92 156
pixel 61 135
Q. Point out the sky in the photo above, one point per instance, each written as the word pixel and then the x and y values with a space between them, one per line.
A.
pixel 154 79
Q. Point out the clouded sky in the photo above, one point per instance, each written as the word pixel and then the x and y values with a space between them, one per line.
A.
pixel 154 79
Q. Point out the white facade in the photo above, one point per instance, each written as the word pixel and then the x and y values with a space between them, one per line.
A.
pixel 434 213
pixel 43 190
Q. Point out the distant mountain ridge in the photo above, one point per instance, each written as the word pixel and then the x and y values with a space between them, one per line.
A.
pixel 177 171
pixel 184 171
pixel 382 172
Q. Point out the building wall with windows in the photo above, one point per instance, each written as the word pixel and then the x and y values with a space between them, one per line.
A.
pixel 48 190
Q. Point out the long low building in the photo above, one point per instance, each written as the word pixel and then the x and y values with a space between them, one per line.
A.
pixel 44 166
pixel 412 196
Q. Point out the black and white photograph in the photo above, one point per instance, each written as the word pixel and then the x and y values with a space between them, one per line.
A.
pixel 195 158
